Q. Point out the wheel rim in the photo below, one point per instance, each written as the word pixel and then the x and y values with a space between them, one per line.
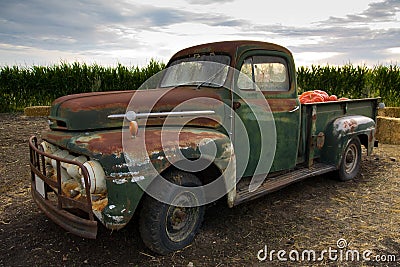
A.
pixel 181 220
pixel 350 158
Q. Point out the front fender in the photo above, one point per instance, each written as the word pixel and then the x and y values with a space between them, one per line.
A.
pixel 339 132
pixel 154 150
pixel 159 148
pixel 127 161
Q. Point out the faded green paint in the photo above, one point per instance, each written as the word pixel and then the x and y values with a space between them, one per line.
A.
pixel 325 116
pixel 281 104
pixel 123 199
pixel 341 131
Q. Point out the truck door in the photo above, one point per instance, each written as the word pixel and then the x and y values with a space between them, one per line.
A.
pixel 273 77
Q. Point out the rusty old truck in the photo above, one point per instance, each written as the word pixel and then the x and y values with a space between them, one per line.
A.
pixel 222 121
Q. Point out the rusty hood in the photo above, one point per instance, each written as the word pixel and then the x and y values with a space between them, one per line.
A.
pixel 90 111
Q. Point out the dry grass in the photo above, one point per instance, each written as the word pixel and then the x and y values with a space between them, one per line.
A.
pixel 312 214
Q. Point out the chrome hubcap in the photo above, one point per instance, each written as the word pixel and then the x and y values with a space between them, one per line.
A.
pixel 181 220
pixel 350 158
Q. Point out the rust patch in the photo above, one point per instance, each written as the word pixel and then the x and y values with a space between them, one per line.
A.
pixel 230 48
pixel 206 122
pixel 371 136
pixel 89 111
pixel 350 125
pixel 167 99
pixel 108 143
pixel 58 138
pixel 187 138
pixel 100 204
pixel 68 186
pixel 282 105
pixel 320 140
pixel 96 98
pixel 103 143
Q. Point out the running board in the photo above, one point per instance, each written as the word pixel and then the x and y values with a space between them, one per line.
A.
pixel 276 183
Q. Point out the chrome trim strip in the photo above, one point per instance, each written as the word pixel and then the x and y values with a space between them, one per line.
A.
pixel 131 115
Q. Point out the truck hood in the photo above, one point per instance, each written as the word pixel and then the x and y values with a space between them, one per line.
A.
pixel 90 111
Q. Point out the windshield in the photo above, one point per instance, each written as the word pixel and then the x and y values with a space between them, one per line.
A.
pixel 201 70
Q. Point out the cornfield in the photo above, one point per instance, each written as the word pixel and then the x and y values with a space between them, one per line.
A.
pixel 22 87
pixel 38 85
pixel 353 81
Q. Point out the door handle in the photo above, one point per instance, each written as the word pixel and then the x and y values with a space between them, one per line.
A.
pixel 296 108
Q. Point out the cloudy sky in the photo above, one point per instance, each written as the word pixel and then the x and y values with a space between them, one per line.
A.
pixel 132 32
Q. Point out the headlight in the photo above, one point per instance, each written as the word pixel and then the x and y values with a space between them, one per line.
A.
pixel 97 177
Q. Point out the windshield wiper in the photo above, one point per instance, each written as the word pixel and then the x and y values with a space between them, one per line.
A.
pixel 211 78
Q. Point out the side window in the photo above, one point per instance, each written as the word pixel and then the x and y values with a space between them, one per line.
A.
pixel 245 80
pixel 270 73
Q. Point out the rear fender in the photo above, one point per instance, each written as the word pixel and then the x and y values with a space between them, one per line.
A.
pixel 339 133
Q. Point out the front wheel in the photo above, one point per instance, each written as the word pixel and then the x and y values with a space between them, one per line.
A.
pixel 165 228
pixel 351 160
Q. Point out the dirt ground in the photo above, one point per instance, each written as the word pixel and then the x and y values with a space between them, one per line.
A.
pixel 310 215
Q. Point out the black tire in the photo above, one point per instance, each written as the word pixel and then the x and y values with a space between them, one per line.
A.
pixel 351 160
pixel 165 228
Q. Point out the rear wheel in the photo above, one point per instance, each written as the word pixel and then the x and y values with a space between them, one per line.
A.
pixel 351 160
pixel 165 228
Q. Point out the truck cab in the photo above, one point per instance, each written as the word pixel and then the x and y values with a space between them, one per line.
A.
pixel 222 120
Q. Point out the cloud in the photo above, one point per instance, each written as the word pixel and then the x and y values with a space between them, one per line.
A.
pixel 97 27
pixel 362 37
pixel 377 12
pixel 62 23
pixel 355 44
pixel 208 2
pixel 53 24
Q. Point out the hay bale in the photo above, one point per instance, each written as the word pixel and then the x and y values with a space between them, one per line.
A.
pixel 37 111
pixel 393 112
pixel 388 130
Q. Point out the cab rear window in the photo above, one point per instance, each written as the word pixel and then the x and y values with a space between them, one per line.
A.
pixel 268 73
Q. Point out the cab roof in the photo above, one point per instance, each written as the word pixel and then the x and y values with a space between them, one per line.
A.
pixel 232 48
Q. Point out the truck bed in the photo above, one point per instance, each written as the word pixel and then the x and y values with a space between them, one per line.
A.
pixel 316 116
